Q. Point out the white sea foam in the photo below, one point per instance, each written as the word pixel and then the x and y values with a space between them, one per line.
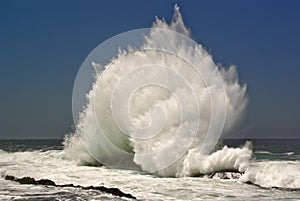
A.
pixel 283 174
pixel 227 159
pixel 275 154
pixel 51 165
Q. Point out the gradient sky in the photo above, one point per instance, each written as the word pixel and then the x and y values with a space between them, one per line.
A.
pixel 43 43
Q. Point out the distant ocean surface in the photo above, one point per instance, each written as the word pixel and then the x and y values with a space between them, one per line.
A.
pixel 275 163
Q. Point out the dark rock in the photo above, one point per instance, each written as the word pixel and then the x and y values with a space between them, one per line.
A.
pixel 224 175
pixel 47 182
pixel 26 180
pixel 113 191
pixel 249 182
pixel 68 185
pixel 11 178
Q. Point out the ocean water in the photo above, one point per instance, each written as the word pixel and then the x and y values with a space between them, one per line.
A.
pixel 151 106
pixel 276 162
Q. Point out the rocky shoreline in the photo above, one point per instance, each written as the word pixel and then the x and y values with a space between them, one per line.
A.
pixel 119 193
pixel 47 182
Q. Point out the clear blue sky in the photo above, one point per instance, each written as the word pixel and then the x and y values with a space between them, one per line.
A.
pixel 43 43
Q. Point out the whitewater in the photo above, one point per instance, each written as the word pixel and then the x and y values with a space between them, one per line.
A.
pixel 48 161
pixel 150 118
pixel 161 106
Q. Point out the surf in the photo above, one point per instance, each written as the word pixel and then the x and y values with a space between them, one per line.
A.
pixel 160 107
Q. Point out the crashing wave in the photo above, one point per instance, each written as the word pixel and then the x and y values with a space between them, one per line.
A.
pixel 88 144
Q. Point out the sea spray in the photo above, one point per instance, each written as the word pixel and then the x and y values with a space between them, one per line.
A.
pixel 159 105
pixel 268 174
pixel 225 160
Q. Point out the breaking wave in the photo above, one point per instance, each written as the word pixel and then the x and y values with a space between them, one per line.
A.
pixel 160 107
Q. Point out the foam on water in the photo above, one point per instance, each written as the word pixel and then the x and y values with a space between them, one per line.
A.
pixel 52 165
pixel 282 174
pixel 275 154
